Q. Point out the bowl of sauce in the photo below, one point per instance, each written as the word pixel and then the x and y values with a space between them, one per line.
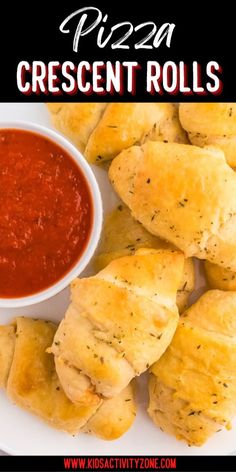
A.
pixel 50 213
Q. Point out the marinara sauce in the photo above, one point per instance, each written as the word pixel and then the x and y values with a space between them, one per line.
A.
pixel 46 213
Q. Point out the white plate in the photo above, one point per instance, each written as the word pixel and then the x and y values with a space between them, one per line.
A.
pixel 24 434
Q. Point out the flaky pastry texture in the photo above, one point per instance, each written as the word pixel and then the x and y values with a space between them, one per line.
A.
pixel 28 374
pixel 119 323
pixel 101 130
pixel 211 124
pixel 183 194
pixel 123 235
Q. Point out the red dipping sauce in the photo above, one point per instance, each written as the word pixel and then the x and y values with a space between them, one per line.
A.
pixel 46 213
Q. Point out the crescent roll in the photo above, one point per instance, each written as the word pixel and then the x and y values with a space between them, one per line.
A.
pixel 76 120
pixel 211 123
pixel 28 374
pixel 102 130
pixel 193 386
pixel 219 277
pixel 123 235
pixel 119 323
pixel 182 193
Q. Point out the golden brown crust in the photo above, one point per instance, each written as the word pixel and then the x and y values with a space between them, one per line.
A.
pixel 28 373
pixel 7 346
pixel 114 417
pixel 76 120
pixel 33 383
pixel 125 124
pixel 101 131
pixel 77 388
pixel 209 118
pixel 123 235
pixel 186 285
pixel 182 300
pixel 193 386
pixel 121 320
pixel 211 124
pixel 183 194
pixel 220 278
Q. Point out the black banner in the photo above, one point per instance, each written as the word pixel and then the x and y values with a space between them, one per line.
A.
pixel 118 463
pixel 116 51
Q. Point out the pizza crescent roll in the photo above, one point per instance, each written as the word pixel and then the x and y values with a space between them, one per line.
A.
pixel 211 124
pixel 123 235
pixel 219 277
pixel 193 386
pixel 102 130
pixel 76 120
pixel 28 374
pixel 120 322
pixel 183 194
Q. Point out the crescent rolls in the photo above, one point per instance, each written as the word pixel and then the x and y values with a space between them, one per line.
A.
pixel 119 323
pixel 219 277
pixel 28 374
pixel 193 386
pixel 123 235
pixel 102 130
pixel 76 120
pixel 211 123
pixel 182 193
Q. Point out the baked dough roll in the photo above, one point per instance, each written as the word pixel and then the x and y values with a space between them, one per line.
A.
pixel 7 346
pixel 125 124
pixel 113 416
pixel 211 123
pixel 123 235
pixel 29 376
pixel 182 193
pixel 119 322
pixel 193 386
pixel 101 130
pixel 32 382
pixel 219 277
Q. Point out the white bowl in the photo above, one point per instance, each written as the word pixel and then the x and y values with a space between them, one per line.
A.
pixel 97 216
